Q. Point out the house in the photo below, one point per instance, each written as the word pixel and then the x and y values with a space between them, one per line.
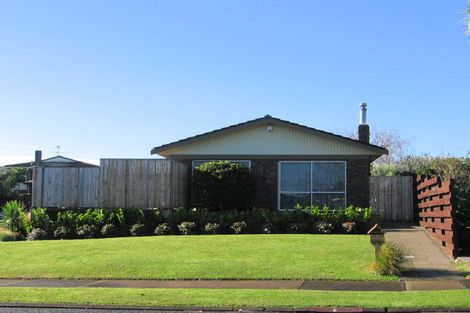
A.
pixel 25 187
pixel 291 163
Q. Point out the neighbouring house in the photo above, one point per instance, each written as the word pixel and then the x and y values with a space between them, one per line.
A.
pixel 54 162
pixel 291 163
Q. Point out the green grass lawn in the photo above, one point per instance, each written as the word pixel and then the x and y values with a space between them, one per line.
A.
pixel 237 297
pixel 339 257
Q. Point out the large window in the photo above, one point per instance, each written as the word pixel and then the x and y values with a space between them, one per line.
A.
pixel 319 183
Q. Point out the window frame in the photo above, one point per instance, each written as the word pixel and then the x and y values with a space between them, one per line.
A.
pixel 311 193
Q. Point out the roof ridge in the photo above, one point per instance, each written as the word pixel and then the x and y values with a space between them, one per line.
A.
pixel 266 117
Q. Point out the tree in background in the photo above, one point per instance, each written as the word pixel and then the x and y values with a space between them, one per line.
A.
pixel 391 140
pixel 10 180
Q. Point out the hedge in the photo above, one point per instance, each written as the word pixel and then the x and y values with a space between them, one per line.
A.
pixel 95 223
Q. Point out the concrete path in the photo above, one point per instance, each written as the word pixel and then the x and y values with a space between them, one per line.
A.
pixel 244 284
pixel 427 261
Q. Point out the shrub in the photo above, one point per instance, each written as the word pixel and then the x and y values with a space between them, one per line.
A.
pixel 134 217
pixel 87 231
pixel 324 227
pixel 239 227
pixel 268 228
pixel 109 230
pixel 93 217
pixel 295 228
pixel 390 259
pixel 212 228
pixel 137 230
pixel 67 219
pixel 223 185
pixel 63 232
pixel 187 228
pixel 9 236
pixel 349 227
pixel 115 217
pixel 14 218
pixel 162 229
pixel 40 219
pixel 37 234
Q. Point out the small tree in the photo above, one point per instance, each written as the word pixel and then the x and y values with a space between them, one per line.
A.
pixel 390 140
pixel 223 185
pixel 9 182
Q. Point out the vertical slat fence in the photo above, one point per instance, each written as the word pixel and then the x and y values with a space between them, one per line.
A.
pixel 392 197
pixel 117 183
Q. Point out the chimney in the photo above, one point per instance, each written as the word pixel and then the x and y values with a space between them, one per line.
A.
pixel 363 129
pixel 37 157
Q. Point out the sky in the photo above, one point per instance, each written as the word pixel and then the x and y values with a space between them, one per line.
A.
pixel 112 79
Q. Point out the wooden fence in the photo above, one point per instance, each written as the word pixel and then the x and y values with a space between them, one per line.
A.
pixel 144 183
pixel 392 197
pixel 117 183
pixel 435 206
pixel 65 187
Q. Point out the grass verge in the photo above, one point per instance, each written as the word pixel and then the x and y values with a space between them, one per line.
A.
pixel 337 257
pixel 237 297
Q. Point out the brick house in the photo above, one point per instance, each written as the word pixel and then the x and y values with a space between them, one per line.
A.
pixel 291 163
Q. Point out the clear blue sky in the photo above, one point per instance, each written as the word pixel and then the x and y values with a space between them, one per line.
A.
pixel 116 78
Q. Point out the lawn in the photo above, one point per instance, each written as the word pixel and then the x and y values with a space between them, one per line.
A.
pixel 338 257
pixel 464 267
pixel 237 297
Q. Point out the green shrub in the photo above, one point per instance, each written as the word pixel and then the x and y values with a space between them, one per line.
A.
pixel 222 185
pixel 63 232
pixel 40 219
pixel 137 230
pixel 134 216
pixel 67 219
pixel 162 229
pixel 109 230
pixel 212 228
pixel 115 217
pixel 8 236
pixel 14 218
pixel 239 227
pixel 187 228
pixel 268 228
pixel 38 234
pixel 324 227
pixel 93 217
pixel 87 231
pixel 349 227
pixel 295 228
pixel 390 259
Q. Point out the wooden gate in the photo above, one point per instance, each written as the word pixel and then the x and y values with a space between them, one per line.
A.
pixel 392 197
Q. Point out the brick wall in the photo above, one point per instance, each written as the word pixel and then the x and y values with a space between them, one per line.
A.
pixel 265 172
pixel 435 207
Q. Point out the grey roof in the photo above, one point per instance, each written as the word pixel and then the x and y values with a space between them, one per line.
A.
pixel 50 162
pixel 377 149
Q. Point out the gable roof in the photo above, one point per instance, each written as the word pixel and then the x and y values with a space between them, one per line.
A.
pixel 373 149
pixel 56 161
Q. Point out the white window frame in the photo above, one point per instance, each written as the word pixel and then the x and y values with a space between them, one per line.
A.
pixel 193 167
pixel 311 181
